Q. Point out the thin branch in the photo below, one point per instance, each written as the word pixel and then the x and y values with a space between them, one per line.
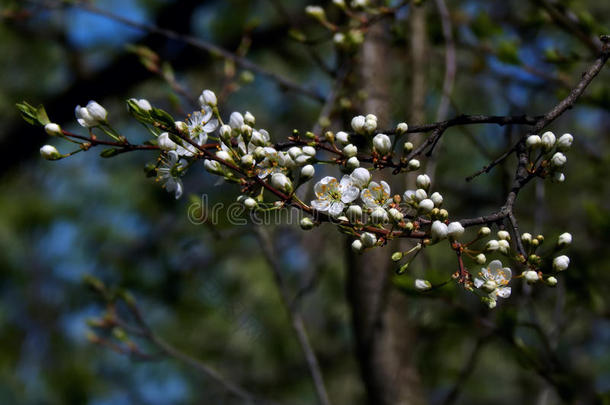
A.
pixel 196 43
pixel 293 314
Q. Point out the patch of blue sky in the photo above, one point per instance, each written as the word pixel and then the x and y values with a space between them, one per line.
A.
pixel 88 30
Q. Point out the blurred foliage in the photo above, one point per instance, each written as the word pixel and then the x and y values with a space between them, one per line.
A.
pixel 207 289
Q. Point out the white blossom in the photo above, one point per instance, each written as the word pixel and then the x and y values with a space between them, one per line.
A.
pixel 492 245
pixel 420 194
pixel 382 144
pixel 559 177
pixel 199 124
pixel 213 166
pixel 250 203
pixel 92 115
pixel 142 104
pixel 352 163
pixel 342 137
pixel 561 263
pixel 413 164
pixel 332 195
pixel 551 281
pixel 407 147
pixel 379 216
pixel 53 129
pixel 494 280
pixel 361 177
pixel 350 150
pixel 370 123
pixel 455 230
pixel 530 276
pixel 236 120
pixel 564 239
pixel 307 172
pixel 208 97
pixel 548 140
pixel 306 224
pixel 503 235
pixel 309 151
pixel 357 246
pixel 368 239
pixel 402 128
pixel 169 172
pixel 49 152
pixel 354 213
pixel 438 230
pixel 165 143
pixel 426 205
pixel 358 123
pixel 565 142
pixel 533 141
pixel 395 215
pixel 376 195
pixel 437 199
pixel 526 237
pixel 559 159
pixel 295 152
pixel 423 181
pixel 249 119
pixel 422 285
pixel 281 182
pixel 480 258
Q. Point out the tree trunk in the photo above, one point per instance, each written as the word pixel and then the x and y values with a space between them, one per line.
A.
pixel 383 335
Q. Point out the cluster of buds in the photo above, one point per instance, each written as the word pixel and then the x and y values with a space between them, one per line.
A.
pixel 553 151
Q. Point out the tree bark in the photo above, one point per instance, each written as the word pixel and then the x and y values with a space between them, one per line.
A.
pixel 384 338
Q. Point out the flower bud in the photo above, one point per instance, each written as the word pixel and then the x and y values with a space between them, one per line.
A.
pixel 142 104
pixel 480 258
pixel 408 195
pixel 548 140
pixel 420 194
pixel 208 97
pixel 357 246
pixel 281 182
pixel 97 112
pixel 224 155
pixel 561 263
pixel 422 285
pixel 407 147
pixel 307 172
pixel 492 245
pixel 402 128
pixel 379 216
pixel 342 137
pixel 443 213
pixel 503 235
pixel 565 142
pixel 236 120
pixel 533 141
pixel 352 163
pixel 504 245
pixel 558 177
pixel 53 129
pixel 455 230
pixel 396 256
pixel 564 239
pixel 413 164
pixel 530 276
pixel 49 152
pixel 181 127
pixel 551 281
pixel 426 205
pixel 370 123
pixel 423 181
pixel 165 143
pixel 249 119
pixel 246 130
pixel 558 159
pixel 358 123
pixel 295 152
pixel 484 231
pixel 354 213
pixel 368 239
pixel 247 160
pixel 306 224
pixel 437 199
pixel 526 238
pixel 350 150
pixel 361 177
pixel 250 203
pixel 382 144
pixel 438 230
pixel 309 151
pixel 316 12
pixel 395 215
pixel 213 166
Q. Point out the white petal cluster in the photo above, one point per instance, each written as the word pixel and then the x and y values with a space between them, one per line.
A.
pixel 494 280
pixel 92 115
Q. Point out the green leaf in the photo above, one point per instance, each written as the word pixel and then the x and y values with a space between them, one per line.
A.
pixel 28 113
pixel 162 117
pixel 106 153
pixel 42 116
